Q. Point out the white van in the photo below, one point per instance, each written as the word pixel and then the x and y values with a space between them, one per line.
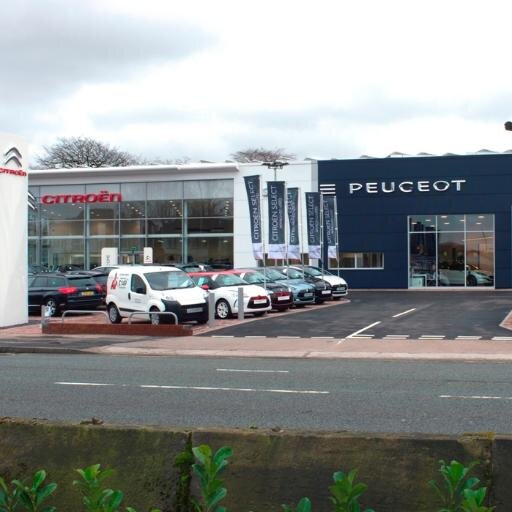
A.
pixel 141 288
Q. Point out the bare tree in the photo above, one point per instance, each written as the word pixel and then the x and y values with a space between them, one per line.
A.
pixel 261 155
pixel 83 152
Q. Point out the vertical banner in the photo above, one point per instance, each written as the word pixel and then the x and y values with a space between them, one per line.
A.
pixel 252 185
pixel 313 221
pixel 329 225
pixel 276 216
pixel 293 219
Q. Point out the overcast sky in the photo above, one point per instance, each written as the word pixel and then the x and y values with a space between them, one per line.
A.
pixel 203 79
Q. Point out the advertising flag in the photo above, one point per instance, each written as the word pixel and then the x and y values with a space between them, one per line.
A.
pixel 252 185
pixel 276 219
pixel 313 222
pixel 329 223
pixel 293 219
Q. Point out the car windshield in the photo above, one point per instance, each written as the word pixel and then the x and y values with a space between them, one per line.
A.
pixel 229 280
pixel 294 274
pixel 169 280
pixel 254 278
pixel 274 274
pixel 313 271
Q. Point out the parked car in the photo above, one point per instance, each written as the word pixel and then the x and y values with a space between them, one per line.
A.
pixel 323 290
pixel 224 286
pixel 455 274
pixel 194 267
pixel 141 288
pixel 100 277
pixel 280 295
pixel 68 268
pixel 338 284
pixel 303 293
pixel 105 270
pixel 58 291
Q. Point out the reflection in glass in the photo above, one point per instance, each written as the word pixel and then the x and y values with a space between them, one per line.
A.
pixel 166 250
pixel 210 226
pixel 133 210
pixel 211 250
pixel 480 259
pixel 422 223
pixel 63 228
pixel 451 259
pixel 167 208
pixel 95 246
pixel 480 223
pixel 450 222
pixel 464 254
pixel 104 227
pixel 132 227
pixel 55 253
pixel 165 226
pixel 422 250
pixel 210 207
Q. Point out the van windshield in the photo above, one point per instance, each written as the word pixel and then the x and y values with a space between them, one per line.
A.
pixel 169 280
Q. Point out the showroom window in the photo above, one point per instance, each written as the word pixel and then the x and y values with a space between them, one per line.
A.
pixel 451 250
pixel 360 260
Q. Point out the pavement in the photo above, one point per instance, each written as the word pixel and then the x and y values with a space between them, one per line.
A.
pixel 209 342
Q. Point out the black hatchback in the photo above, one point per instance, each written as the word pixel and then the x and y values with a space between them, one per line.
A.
pixel 58 291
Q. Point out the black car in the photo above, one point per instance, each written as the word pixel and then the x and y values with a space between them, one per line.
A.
pixel 58 291
pixel 280 296
pixel 323 290
pixel 101 277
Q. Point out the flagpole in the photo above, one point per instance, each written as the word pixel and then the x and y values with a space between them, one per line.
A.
pixel 263 235
pixel 337 239
pixel 322 231
pixel 301 246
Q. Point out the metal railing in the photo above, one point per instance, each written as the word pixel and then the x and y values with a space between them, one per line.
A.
pixel 81 311
pixel 149 313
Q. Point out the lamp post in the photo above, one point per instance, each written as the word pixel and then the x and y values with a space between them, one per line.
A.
pixel 276 164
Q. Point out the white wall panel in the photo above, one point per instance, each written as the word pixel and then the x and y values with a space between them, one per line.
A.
pixel 13 232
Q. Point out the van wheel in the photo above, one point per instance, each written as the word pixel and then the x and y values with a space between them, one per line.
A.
pixel 222 309
pixel 113 314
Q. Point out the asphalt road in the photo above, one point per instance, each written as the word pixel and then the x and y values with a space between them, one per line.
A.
pixel 378 314
pixel 380 396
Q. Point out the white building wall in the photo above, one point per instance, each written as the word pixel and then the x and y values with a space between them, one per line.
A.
pixel 13 232
pixel 297 174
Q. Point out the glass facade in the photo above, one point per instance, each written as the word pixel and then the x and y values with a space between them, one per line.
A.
pixel 451 250
pixel 182 221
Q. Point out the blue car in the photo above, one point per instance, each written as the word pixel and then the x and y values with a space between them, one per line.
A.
pixel 303 293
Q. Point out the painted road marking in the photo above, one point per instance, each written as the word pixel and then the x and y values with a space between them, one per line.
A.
pixel 202 388
pixel 432 337
pixel 354 334
pixel 404 313
pixel 477 397
pixel 220 336
pixel 288 337
pixel 208 388
pixel 251 371
pixel 397 336
pixel 502 338
pixel 468 337
pixel 322 337
pixel 84 384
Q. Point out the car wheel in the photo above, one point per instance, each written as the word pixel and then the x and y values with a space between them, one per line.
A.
pixel 471 280
pixel 114 315
pixel 52 307
pixel 222 309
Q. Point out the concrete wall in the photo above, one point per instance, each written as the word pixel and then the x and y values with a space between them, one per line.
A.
pixel 267 469
pixel 13 231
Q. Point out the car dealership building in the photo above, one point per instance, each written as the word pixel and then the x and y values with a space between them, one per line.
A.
pixel 403 222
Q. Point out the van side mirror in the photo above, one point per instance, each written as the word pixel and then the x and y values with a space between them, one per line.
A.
pixel 205 287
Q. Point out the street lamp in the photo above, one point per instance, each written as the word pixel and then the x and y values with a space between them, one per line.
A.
pixel 276 164
pixel 508 126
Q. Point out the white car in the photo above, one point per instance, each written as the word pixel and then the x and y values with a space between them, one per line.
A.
pixel 154 289
pixel 224 286
pixel 338 284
